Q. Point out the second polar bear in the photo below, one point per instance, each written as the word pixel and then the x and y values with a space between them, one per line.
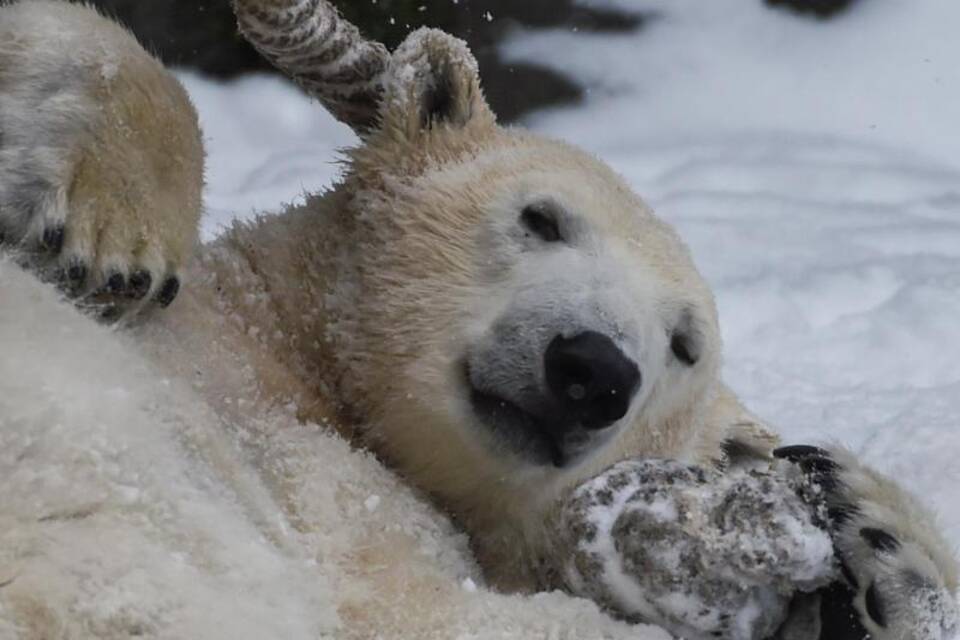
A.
pixel 497 315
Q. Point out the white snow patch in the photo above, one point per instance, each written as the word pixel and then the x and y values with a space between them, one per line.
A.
pixel 813 169
pixel 267 145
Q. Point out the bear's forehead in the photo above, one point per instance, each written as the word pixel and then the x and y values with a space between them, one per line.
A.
pixel 516 167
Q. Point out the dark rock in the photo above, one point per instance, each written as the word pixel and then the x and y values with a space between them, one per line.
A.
pixel 819 8
pixel 202 35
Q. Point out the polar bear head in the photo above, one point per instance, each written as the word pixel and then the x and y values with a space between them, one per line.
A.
pixel 510 314
pixel 506 315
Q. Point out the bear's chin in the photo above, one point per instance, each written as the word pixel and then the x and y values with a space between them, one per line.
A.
pixel 532 437
pixel 522 431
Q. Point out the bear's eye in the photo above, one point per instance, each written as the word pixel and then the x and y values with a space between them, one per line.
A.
pixel 684 348
pixel 685 339
pixel 541 220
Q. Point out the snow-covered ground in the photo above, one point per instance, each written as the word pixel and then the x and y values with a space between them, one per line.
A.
pixel 814 168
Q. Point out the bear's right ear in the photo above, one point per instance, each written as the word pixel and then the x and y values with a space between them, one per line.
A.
pixel 430 81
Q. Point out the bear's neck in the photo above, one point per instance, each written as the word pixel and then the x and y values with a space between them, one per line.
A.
pixel 271 278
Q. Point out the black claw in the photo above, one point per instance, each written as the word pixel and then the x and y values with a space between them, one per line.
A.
pixel 819 466
pixel 875 606
pixel 798 452
pixel 821 471
pixel 139 285
pixel 169 291
pixel 71 279
pixel 111 313
pixel 52 240
pixel 880 540
pixel 841 513
pixel 115 283
pixel 77 274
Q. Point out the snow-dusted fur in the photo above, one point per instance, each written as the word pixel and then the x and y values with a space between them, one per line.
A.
pixel 374 311
pixel 134 507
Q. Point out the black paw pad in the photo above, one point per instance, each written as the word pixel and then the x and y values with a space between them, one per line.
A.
pixel 168 291
pixel 879 540
pixel 139 284
pixel 52 240
pixel 875 606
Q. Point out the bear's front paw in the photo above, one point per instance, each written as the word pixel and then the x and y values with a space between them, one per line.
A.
pixel 102 272
pixel 704 554
pixel 901 577
pixel 101 162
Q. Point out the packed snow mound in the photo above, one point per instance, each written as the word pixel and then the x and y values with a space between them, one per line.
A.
pixel 131 508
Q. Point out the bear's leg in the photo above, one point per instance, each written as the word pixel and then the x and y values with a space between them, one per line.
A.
pixel 900 576
pixel 825 545
pixel 702 553
pixel 101 161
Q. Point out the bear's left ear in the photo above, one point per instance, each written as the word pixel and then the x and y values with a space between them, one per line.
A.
pixel 432 82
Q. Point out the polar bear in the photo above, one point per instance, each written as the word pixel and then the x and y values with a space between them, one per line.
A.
pixel 497 315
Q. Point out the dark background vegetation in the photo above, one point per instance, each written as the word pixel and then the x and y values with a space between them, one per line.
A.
pixel 201 34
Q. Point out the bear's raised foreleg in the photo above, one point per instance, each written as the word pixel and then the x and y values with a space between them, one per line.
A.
pixel 101 160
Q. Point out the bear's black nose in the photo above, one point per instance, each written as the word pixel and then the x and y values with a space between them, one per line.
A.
pixel 591 378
